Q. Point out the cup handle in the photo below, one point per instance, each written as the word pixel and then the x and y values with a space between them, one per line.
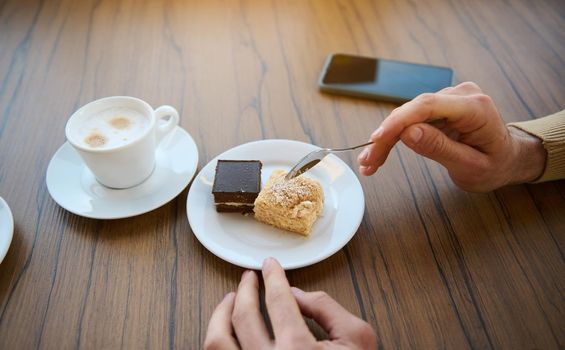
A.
pixel 164 129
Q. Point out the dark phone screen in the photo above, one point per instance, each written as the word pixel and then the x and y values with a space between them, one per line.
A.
pixel 351 69
pixel 382 77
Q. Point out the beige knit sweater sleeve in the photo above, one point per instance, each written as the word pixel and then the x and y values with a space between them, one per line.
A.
pixel 551 130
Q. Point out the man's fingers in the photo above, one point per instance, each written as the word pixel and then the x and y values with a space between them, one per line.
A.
pixel 445 90
pixel 424 108
pixel 372 158
pixel 466 88
pixel 374 155
pixel 247 318
pixel 220 331
pixel 430 142
pixel 331 316
pixel 430 107
pixel 286 319
pixel 367 170
pixel 470 115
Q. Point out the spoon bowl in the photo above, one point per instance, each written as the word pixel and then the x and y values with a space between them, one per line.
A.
pixel 315 157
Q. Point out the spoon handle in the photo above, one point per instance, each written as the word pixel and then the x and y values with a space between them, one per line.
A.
pixel 351 148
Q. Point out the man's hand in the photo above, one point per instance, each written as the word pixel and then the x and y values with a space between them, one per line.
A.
pixel 460 128
pixel 237 322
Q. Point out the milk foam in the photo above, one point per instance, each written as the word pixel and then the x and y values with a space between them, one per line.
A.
pixel 113 127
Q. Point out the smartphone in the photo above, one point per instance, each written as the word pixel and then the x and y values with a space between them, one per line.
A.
pixel 381 79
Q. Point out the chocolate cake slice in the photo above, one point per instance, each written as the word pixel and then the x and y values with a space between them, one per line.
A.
pixel 236 185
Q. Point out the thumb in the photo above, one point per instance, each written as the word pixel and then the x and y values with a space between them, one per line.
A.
pixel 432 143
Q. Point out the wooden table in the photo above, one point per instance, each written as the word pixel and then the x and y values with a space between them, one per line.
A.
pixel 430 267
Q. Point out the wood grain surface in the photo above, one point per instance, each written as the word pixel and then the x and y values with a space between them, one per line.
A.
pixel 430 267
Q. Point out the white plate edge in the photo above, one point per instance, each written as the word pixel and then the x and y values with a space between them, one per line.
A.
pixel 10 229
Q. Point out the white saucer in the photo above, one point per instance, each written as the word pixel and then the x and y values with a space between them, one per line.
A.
pixel 243 241
pixel 73 186
pixel 6 228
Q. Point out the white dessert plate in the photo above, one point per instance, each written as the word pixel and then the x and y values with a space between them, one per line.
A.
pixel 243 241
pixel 6 228
pixel 73 186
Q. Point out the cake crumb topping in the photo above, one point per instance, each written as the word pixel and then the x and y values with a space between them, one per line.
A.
pixel 289 193
pixel 292 205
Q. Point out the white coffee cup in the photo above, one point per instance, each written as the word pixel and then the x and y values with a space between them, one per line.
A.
pixel 117 138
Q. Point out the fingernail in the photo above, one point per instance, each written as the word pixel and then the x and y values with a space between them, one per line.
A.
pixel 267 262
pixel 415 134
pixel 377 133
pixel 227 296
pixel 246 273
pixel 363 155
pixel 297 291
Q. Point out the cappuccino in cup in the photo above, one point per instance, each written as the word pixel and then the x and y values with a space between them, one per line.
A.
pixel 117 138
pixel 111 128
